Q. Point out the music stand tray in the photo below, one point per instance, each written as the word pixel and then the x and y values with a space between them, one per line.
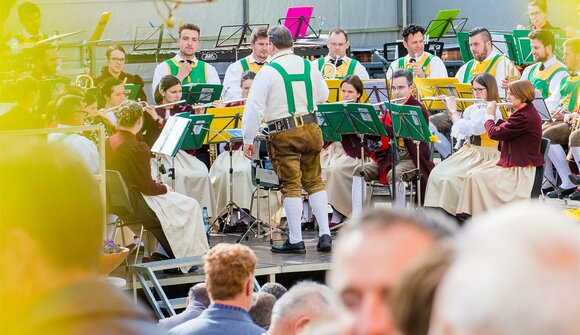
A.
pixel 443 22
pixel 334 93
pixel 195 93
pixel 375 91
pixel 297 20
pixel 433 87
pixel 172 136
pixel 224 119
pixel 197 130
pixel 228 35
pixel 463 42
pixel 132 91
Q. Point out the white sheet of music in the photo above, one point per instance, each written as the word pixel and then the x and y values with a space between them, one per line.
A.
pixel 171 136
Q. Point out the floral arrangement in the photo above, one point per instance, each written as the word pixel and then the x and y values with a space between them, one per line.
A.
pixel 109 247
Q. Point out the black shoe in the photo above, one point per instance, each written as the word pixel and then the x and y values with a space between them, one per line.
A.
pixel 574 178
pixel 575 195
pixel 308 225
pixel 158 257
pixel 563 193
pixel 289 248
pixel 324 243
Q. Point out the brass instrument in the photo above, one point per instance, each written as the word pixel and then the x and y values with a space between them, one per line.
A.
pixel 333 69
pixel 84 81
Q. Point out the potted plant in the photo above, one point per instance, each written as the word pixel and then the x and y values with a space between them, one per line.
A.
pixel 112 255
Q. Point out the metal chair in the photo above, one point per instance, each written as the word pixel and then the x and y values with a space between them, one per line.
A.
pixel 539 177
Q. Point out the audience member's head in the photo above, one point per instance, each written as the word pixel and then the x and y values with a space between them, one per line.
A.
pixel 370 256
pixel 261 309
pixel 274 289
pixel 412 299
pixel 514 271
pixel 47 196
pixel 198 293
pixel 305 304
pixel 229 270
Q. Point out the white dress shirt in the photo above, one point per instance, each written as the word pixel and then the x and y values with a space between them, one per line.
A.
pixel 554 100
pixel 501 65
pixel 473 122
pixel 232 80
pixel 267 99
pixel 438 68
pixel 81 145
pixel 162 70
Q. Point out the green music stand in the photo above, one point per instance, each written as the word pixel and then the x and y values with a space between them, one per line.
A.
pixel 197 130
pixel 132 91
pixel 463 41
pixel 524 46
pixel 409 122
pixel 443 22
pixel 513 52
pixel 201 93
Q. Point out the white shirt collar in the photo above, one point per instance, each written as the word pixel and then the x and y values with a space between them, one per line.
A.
pixel 491 55
pixel 253 59
pixel 344 58
pixel 417 57
pixel 550 62
pixel 178 58
pixel 280 54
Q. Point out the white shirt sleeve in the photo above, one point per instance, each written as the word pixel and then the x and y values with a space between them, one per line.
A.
pixel 526 73
pixel 319 86
pixel 232 82
pixel 361 71
pixel 160 71
pixel 88 151
pixel 473 122
pixel 555 87
pixel 212 75
pixel 461 72
pixel 391 70
pixel 256 104
pixel 438 69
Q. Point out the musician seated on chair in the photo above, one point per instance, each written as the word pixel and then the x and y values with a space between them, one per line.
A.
pixel 380 169
pixel 510 178
pixel 179 228
pixel 564 131
pixel 422 64
pixel 336 65
pixel 111 94
pixel 116 60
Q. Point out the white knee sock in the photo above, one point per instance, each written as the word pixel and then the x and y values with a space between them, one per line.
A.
pixel 558 158
pixel 293 209
pixel 549 174
pixel 400 198
pixel 358 195
pixel 319 204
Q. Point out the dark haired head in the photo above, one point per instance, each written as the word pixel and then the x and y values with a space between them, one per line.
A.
pixel 546 37
pixel 260 32
pixel 485 34
pixel 189 26
pixel 355 81
pixel 338 31
pixel 404 73
pixel 488 81
pixel 165 83
pixel 412 29
pixel 27 8
pixel 248 75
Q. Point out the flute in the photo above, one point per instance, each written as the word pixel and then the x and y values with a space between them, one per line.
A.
pixel 456 99
pixel 210 105
pixel 145 104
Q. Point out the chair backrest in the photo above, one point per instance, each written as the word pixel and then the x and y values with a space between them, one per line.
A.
pixel 118 201
pixel 544 148
pixel 539 177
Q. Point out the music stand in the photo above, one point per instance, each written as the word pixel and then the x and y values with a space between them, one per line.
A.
pixel 443 22
pixel 334 93
pixel 524 46
pixel 297 20
pixel 352 118
pixel 195 93
pixel 244 31
pixel 542 108
pixel 463 42
pixel 132 91
pixel 429 88
pixel 375 91
pixel 409 122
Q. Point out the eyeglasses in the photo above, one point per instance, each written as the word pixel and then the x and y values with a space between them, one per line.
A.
pixel 120 60
pixel 478 90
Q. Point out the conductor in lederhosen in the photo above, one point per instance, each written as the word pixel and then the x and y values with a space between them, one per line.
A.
pixel 285 94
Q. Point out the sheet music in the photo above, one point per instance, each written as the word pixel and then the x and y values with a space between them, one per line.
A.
pixel 171 136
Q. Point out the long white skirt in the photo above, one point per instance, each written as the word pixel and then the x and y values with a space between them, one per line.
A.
pixel 191 179
pixel 243 187
pixel 490 186
pixel 446 179
pixel 338 168
pixel 181 220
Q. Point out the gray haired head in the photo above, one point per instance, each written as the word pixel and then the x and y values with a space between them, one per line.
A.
pixel 281 37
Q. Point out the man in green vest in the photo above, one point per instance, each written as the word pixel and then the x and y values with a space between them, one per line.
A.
pixel 285 94
pixel 421 63
pixel 344 66
pixel 547 73
pixel 185 66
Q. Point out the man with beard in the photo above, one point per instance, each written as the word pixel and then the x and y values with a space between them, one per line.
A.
pixel 184 65
pixel 486 60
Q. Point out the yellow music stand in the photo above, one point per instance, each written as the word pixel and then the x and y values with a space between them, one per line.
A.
pixel 434 87
pixel 224 118
pixel 334 87
pixel 464 91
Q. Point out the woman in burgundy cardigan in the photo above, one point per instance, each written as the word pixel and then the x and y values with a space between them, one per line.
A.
pixel 181 233
pixel 512 177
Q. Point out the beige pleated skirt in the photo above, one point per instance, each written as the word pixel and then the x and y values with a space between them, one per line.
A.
pixel 446 179
pixel 490 186
pixel 243 187
pixel 338 168
pixel 191 179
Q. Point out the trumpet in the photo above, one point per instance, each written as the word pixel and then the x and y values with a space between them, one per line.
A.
pixel 84 81
pixel 332 69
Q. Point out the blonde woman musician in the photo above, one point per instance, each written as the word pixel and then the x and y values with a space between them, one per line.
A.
pixel 446 179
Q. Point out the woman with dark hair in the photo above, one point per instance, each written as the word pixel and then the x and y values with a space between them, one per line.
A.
pixel 96 116
pixel 446 179
pixel 116 60
pixel 181 233
pixel 510 178
pixel 339 159
pixel 191 175
pixel 111 93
